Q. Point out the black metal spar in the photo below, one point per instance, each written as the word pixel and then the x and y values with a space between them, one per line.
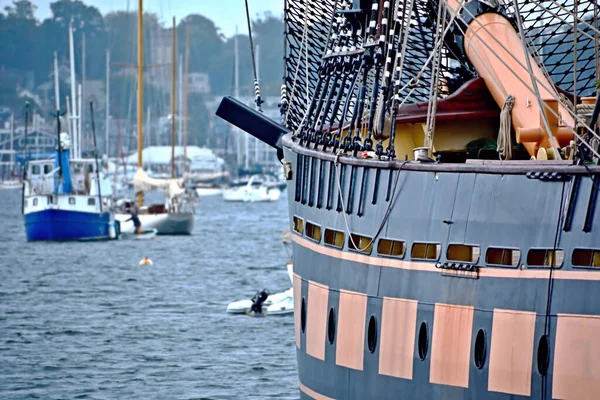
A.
pixel 252 122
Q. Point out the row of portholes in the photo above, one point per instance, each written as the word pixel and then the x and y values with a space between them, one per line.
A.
pixel 479 350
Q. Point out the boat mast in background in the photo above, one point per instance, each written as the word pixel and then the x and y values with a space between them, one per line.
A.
pixel 56 82
pixel 140 93
pixel 173 77
pixel 73 110
pixel 236 93
pixel 185 98
pixel 82 94
pixel 107 107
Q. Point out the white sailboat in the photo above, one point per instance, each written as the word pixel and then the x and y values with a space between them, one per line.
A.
pixel 254 191
pixel 176 215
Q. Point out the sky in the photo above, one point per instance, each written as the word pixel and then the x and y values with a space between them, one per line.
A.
pixel 226 14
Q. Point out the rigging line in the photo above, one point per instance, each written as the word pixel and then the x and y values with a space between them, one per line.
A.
pixel 582 21
pixel 387 213
pixel 545 105
pixel 549 11
pixel 257 99
pixel 435 78
pixel 509 52
pixel 550 288
pixel 579 119
pixel 534 81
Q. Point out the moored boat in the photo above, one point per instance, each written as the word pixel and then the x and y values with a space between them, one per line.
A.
pixel 61 200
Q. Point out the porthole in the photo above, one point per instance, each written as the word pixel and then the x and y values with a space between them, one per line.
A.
pixel 423 344
pixel 331 326
pixel 480 351
pixel 303 315
pixel 543 353
pixel 372 334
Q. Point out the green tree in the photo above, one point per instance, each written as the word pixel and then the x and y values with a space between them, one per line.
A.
pixel 18 35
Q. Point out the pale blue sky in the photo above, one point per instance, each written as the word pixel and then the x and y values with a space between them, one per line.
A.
pixel 225 13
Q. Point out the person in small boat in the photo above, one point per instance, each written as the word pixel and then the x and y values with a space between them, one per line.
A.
pixel 133 210
pixel 258 300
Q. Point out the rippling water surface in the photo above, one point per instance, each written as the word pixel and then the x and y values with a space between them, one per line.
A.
pixel 84 320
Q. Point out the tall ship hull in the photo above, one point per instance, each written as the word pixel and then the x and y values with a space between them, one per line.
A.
pixel 455 297
pixel 442 160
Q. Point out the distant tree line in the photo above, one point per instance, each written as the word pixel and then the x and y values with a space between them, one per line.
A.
pixel 27 44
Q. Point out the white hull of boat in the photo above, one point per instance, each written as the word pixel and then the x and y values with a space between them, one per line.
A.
pixel 202 192
pixel 165 223
pixel 276 304
pixel 147 234
pixel 11 185
pixel 252 195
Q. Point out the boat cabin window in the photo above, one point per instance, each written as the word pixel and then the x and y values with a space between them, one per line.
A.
pixel 363 244
pixel 25 203
pixel 586 258
pixel 393 248
pixel 425 251
pixel 298 225
pixel 334 238
pixel 35 170
pixel 47 169
pixel 502 257
pixel 462 253
pixel 91 201
pixel 313 231
pixel 545 258
pixel 72 200
pixel 35 201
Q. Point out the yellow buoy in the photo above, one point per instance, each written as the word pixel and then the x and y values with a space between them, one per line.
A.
pixel 145 261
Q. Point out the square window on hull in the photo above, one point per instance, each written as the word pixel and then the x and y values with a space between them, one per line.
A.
pixel 392 248
pixel 462 253
pixel 586 258
pixel 334 238
pixel 502 257
pixel 298 225
pixel 313 231
pixel 425 251
pixel 545 258
pixel 362 244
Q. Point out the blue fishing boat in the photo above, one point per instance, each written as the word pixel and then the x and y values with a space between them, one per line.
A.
pixel 62 199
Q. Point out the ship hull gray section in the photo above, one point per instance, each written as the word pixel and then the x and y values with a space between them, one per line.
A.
pixel 477 208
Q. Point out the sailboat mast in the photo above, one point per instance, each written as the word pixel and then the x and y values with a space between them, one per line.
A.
pixel 173 77
pixel 107 117
pixel 236 93
pixel 185 99
pixel 56 83
pixel 81 101
pixel 140 93
pixel 73 111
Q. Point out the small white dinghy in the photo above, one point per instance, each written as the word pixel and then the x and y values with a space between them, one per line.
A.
pixel 145 235
pixel 276 304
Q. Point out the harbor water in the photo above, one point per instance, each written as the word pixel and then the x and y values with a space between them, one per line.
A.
pixel 84 320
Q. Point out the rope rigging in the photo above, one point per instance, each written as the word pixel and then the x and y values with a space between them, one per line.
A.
pixel 257 99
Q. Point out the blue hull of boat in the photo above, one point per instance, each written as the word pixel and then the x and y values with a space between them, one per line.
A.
pixel 61 225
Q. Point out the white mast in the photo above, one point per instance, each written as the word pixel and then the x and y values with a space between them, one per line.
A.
pixel 107 117
pixel 180 127
pixel 12 136
pixel 56 82
pixel 82 108
pixel 148 130
pixel 74 133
